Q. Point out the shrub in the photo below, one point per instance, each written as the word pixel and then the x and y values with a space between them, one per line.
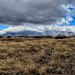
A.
pixel 1 36
pixel 9 36
pixel 60 37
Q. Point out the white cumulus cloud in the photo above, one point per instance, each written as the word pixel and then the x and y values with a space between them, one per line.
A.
pixel 40 29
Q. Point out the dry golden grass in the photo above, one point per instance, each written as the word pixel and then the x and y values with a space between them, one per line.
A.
pixel 33 56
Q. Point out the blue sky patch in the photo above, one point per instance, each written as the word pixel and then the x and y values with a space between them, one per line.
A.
pixel 3 27
pixel 72 23
pixel 71 8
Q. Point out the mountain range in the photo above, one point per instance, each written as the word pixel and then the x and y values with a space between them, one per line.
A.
pixel 36 33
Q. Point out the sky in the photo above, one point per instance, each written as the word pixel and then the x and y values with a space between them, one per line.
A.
pixel 37 15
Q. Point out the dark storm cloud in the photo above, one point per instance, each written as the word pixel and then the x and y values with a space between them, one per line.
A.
pixel 72 2
pixel 16 12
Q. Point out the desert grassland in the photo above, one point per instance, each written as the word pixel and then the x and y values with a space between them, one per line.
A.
pixel 37 56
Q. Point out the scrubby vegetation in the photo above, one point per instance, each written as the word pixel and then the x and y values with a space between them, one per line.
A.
pixel 61 37
pixel 9 36
pixel 37 56
pixel 1 36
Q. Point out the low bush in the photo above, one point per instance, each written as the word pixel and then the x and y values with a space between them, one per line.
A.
pixel 60 37
pixel 9 36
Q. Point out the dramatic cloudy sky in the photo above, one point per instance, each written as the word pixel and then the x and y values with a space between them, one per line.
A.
pixel 37 15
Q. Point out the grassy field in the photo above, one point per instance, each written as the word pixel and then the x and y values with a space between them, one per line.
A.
pixel 33 56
